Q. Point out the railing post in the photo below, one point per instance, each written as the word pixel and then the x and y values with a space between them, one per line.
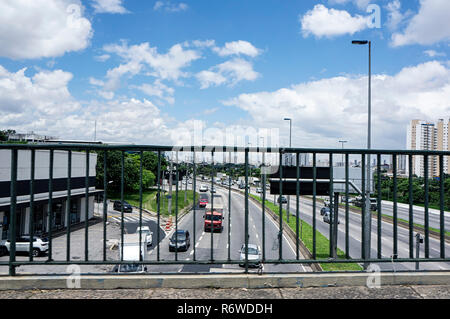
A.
pixel 12 214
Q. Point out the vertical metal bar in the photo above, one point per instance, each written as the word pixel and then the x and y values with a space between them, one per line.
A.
pixel 297 206
pixel 246 210
pixel 314 204
pixel 347 221
pixel 441 205
pixel 332 207
pixel 12 213
pixel 105 202
pixel 280 233
pixel 121 204
pixel 229 208
pixel 395 213
pixel 379 252
pixel 427 230
pixel 363 206
pixel 211 229
pixel 411 215
pixel 50 207
pixel 159 204
pixel 69 202
pixel 140 205
pixel 263 214
pixel 31 222
pixel 86 210
pixel 195 202
pixel 176 206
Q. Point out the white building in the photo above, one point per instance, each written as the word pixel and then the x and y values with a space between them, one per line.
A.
pixel 61 212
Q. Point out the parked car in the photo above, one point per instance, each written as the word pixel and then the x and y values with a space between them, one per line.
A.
pixel 40 245
pixel 130 268
pixel 326 218
pixel 283 199
pixel 181 240
pixel 324 210
pixel 203 188
pixel 126 206
pixel 147 234
pixel 253 253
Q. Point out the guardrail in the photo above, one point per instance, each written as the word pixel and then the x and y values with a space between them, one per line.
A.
pixel 437 160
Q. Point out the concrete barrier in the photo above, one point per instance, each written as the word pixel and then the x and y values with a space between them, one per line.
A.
pixel 251 281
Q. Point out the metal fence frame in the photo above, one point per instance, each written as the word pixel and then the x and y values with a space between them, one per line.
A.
pixel 365 258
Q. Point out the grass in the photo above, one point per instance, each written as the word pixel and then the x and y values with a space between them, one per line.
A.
pixel 149 200
pixel 322 242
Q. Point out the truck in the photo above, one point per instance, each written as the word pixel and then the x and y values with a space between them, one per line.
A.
pixel 214 215
pixel 131 249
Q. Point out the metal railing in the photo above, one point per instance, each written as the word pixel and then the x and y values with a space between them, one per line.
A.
pixel 365 257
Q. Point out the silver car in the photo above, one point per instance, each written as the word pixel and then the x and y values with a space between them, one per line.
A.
pixel 254 255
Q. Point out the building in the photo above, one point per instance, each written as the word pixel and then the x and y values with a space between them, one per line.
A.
pixel 427 136
pixel 290 159
pixel 62 212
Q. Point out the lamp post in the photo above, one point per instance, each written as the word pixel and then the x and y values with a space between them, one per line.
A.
pixel 367 215
pixel 290 162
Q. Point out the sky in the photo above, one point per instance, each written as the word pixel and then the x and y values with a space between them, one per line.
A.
pixel 160 72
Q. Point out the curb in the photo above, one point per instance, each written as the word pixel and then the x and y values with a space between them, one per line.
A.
pixel 250 281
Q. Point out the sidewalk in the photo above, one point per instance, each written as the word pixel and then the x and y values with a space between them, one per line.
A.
pixel 385 292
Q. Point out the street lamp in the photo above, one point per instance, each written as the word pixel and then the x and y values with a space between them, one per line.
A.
pixel 290 162
pixel 368 221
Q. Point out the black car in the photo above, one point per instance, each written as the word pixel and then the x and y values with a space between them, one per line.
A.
pixel 283 200
pixel 126 207
pixel 181 239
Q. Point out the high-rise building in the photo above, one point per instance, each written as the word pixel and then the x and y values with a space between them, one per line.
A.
pixel 428 136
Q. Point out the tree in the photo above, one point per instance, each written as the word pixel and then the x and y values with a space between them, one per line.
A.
pixel 4 134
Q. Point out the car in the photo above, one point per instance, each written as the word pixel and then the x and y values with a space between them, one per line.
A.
pixel 283 199
pixel 203 188
pixel 324 210
pixel 259 190
pixel 373 203
pixel 181 240
pixel 326 218
pixel 190 181
pixel 3 250
pixel 253 253
pixel 213 190
pixel 40 245
pixel 130 268
pixel 126 206
pixel 202 202
pixel 147 235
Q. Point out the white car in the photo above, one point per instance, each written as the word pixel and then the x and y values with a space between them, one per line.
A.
pixel 259 190
pixel 203 188
pixel 254 255
pixel 40 245
pixel 147 235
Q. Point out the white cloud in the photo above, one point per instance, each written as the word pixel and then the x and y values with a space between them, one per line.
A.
pixel 102 58
pixel 429 26
pixel 109 6
pixel 433 53
pixel 169 6
pixel 324 22
pixel 331 107
pixel 159 90
pixel 237 48
pixel 231 72
pixel 42 28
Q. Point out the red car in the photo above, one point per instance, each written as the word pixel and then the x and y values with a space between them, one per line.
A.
pixel 202 202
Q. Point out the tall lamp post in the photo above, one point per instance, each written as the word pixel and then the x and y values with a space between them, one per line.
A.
pixel 368 219
pixel 290 162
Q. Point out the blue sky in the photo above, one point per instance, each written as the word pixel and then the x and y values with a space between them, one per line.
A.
pixel 233 64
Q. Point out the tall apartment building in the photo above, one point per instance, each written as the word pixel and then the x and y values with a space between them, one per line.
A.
pixel 430 136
